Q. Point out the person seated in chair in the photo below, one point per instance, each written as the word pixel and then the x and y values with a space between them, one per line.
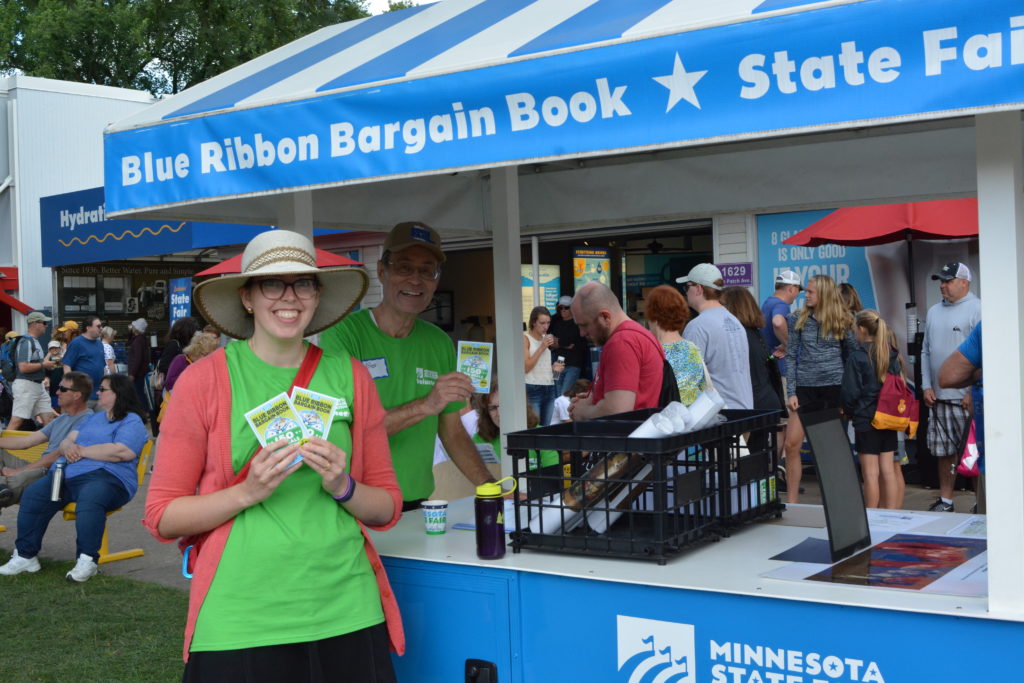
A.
pixel 100 476
pixel 17 474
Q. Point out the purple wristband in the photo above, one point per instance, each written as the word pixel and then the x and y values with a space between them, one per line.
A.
pixel 349 492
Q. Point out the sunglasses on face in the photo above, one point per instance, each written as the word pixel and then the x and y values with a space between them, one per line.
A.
pixel 102 389
pixel 303 288
pixel 63 388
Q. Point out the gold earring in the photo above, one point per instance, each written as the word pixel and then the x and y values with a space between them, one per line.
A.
pixel 249 311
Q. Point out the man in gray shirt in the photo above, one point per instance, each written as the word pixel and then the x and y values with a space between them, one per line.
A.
pixel 16 474
pixel 719 336
pixel 946 327
pixel 31 401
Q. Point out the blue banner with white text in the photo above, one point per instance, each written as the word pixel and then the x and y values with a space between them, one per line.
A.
pixel 823 67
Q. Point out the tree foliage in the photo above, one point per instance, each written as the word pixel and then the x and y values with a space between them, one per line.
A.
pixel 162 46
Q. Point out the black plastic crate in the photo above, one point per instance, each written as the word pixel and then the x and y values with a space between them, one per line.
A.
pixel 681 502
pixel 748 492
pixel 657 505
pixel 746 466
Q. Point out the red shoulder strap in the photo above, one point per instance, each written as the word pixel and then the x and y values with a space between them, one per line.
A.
pixel 302 378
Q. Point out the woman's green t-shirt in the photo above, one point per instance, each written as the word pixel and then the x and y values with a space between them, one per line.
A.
pixel 294 568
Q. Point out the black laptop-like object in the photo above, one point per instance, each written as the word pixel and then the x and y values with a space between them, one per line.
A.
pixel 845 516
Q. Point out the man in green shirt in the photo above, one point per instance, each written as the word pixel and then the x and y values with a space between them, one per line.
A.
pixel 412 363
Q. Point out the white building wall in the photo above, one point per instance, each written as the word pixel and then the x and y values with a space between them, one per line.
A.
pixel 733 238
pixel 53 144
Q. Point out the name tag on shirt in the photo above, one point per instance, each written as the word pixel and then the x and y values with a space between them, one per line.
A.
pixel 378 367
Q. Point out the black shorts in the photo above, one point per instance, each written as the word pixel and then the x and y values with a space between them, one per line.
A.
pixel 875 441
pixel 813 399
pixel 358 656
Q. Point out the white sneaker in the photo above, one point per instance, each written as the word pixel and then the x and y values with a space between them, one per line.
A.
pixel 19 564
pixel 83 570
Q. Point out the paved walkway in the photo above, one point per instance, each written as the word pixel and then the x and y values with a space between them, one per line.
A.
pixel 162 562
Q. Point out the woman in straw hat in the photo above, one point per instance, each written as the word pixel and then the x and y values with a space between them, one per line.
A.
pixel 288 586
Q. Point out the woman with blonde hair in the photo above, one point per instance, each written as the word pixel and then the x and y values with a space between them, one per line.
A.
pixel 107 335
pixel 863 377
pixel 667 313
pixel 820 339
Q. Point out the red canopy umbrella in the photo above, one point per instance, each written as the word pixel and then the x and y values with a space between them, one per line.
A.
pixel 324 259
pixel 862 226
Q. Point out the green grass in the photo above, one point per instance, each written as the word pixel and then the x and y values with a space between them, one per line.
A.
pixel 107 629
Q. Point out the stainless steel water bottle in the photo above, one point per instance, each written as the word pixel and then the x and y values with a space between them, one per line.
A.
pixel 58 479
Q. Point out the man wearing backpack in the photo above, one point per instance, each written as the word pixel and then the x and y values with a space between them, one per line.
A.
pixel 30 398
pixel 631 369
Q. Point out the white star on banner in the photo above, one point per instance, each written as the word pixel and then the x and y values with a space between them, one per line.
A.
pixel 680 84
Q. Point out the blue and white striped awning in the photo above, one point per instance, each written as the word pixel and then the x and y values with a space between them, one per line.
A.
pixel 469 84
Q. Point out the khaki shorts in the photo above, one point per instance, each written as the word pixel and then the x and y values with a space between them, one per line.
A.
pixel 30 399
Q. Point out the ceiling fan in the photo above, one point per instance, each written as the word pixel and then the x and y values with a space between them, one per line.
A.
pixel 656 247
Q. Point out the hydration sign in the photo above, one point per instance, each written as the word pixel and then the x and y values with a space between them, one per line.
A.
pixel 181 298
pixel 865 62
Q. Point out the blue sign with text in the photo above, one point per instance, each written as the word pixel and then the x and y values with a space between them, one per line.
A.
pixel 75 229
pixel 832 65
pixel 842 264
pixel 181 298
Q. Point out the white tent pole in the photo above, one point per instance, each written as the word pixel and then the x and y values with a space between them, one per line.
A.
pixel 535 259
pixel 295 212
pixel 1001 250
pixel 508 303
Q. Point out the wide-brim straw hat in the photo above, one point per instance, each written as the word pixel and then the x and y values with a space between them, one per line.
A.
pixel 279 252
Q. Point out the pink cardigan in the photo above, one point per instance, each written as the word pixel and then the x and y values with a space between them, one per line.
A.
pixel 195 456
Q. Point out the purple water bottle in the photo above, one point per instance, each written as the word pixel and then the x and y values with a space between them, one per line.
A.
pixel 490 520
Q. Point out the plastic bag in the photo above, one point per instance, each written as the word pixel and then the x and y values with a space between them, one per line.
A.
pixel 968 466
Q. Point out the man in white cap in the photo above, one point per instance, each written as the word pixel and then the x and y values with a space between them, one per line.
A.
pixel 719 336
pixel 569 344
pixel 31 401
pixel 412 363
pixel 139 355
pixel 947 326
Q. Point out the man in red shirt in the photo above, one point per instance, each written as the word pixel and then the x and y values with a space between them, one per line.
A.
pixel 630 371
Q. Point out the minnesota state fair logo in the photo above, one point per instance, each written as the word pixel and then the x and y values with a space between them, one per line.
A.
pixel 427 377
pixel 652 651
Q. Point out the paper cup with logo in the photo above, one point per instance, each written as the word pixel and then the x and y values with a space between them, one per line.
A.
pixel 435 515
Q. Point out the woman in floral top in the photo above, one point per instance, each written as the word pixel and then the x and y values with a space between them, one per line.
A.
pixel 667 313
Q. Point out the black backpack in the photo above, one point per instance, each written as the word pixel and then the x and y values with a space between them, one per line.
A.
pixel 669 385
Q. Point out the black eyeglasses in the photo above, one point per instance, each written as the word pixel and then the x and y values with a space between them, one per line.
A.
pixel 303 288
pixel 685 286
pixel 102 389
pixel 403 269
pixel 61 388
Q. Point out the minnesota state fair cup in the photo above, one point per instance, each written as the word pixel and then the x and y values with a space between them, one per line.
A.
pixel 435 516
